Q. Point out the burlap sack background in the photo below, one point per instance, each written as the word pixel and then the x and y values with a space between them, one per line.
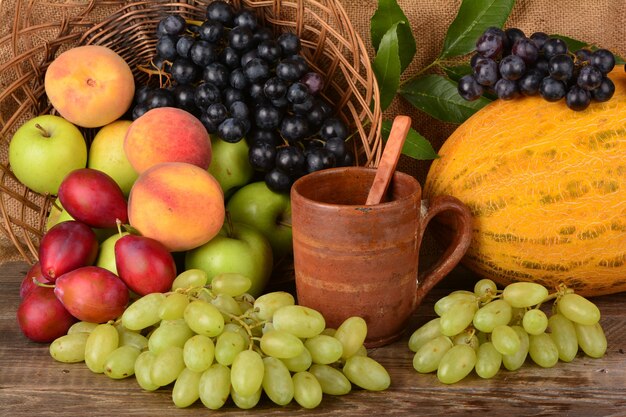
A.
pixel 601 22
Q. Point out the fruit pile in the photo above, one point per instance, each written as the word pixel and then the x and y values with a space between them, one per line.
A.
pixel 509 64
pixel 487 329
pixel 214 341
pixel 241 82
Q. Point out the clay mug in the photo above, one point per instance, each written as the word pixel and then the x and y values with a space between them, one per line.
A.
pixel 352 259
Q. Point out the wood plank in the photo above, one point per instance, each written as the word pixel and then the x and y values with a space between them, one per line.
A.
pixel 32 383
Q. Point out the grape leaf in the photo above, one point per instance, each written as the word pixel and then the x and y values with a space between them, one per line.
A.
pixel 387 14
pixel 438 97
pixel 415 146
pixel 473 17
pixel 574 44
pixel 386 66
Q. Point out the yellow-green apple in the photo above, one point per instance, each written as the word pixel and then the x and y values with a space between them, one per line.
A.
pixel 267 211
pixel 44 150
pixel 230 166
pixel 238 248
pixel 90 85
pixel 106 154
pixel 106 254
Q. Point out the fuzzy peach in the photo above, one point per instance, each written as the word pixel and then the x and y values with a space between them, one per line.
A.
pixel 178 204
pixel 90 86
pixel 167 134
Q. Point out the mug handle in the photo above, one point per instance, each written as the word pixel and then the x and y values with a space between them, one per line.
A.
pixel 456 249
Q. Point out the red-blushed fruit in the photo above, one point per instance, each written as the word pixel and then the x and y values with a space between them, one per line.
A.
pixel 92 294
pixel 144 264
pixel 28 283
pixel 42 317
pixel 65 247
pixel 93 197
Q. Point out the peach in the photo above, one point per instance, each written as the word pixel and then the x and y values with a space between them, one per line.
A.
pixel 90 86
pixel 178 204
pixel 167 134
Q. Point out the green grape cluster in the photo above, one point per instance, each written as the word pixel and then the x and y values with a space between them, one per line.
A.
pixel 486 329
pixel 215 341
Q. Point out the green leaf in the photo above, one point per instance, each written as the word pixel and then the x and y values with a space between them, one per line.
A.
pixel 386 66
pixel 473 18
pixel 415 146
pixel 456 72
pixel 574 44
pixel 387 14
pixel 438 97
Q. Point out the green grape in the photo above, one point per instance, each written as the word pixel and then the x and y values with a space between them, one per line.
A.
pixel 280 344
pixel 246 306
pixel 362 351
pixel 351 333
pixel 144 312
pixel 488 360
pixel 324 349
pixel 449 301
pixel 102 340
pixel 524 294
pixel 427 357
pixel 425 333
pixel 277 382
pixel 535 321
pixel 120 363
pixel 246 373
pixel 456 364
pixel 482 337
pixel 143 364
pixel 128 338
pixel 227 346
pixel 245 402
pixel 169 333
pixel 173 307
pixel 214 386
pixel 516 360
pixel 204 318
pixel 167 365
pixel 82 327
pixel 190 278
pixel 300 321
pixel 578 309
pixel 455 320
pixel 267 304
pixel 236 328
pixel 299 363
pixel 366 373
pixel 492 314
pixel 329 331
pixel 485 287
pixel 467 337
pixel 332 380
pixel 227 306
pixel 69 348
pixel 186 388
pixel 505 339
pixel 591 339
pixel 230 283
pixel 307 390
pixel 563 334
pixel 198 353
pixel 543 350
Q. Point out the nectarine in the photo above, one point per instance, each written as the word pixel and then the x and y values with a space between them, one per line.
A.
pixel 178 204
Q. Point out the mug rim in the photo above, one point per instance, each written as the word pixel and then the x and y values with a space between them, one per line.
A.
pixel 331 171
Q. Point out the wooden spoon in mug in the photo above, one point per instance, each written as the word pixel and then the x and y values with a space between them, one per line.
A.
pixel 389 160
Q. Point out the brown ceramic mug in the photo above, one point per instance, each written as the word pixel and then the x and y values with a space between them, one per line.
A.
pixel 352 259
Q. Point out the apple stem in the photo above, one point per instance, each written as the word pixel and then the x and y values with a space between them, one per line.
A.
pixel 44 132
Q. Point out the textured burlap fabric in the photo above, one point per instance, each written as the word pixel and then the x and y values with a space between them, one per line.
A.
pixel 600 22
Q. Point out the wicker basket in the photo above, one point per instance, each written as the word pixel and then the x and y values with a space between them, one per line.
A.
pixel 41 30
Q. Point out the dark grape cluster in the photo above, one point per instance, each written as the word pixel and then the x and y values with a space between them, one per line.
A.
pixel 241 81
pixel 508 64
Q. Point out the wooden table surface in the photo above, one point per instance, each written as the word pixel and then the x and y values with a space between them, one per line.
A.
pixel 33 384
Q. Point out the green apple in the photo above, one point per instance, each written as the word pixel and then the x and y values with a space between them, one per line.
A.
pixel 237 248
pixel 230 164
pixel 267 211
pixel 106 254
pixel 44 150
pixel 106 154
